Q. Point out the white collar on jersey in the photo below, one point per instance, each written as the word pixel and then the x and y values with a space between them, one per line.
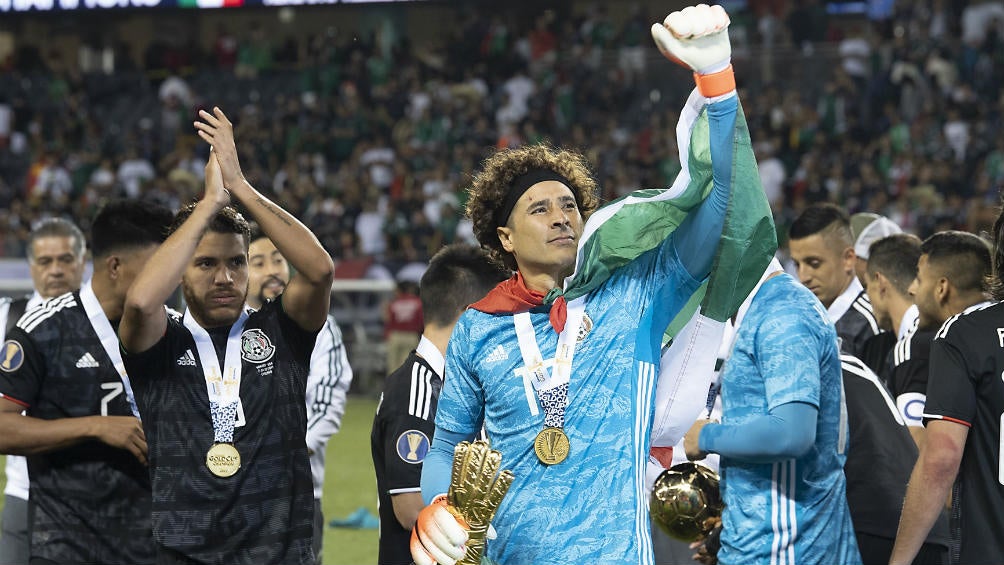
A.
pixel 426 350
pixel 35 300
pixel 909 319
pixel 843 302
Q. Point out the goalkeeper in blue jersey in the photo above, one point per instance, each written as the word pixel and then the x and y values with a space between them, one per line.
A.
pixel 783 434
pixel 563 382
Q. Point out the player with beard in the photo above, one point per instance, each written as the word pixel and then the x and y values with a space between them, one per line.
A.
pixel 330 374
pixel 90 489
pixel 950 276
pixel 962 413
pixel 223 390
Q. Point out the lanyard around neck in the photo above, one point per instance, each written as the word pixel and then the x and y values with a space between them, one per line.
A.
pixel 551 387
pixel 223 385
pixel 109 340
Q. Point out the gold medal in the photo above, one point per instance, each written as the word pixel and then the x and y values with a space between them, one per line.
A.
pixel 551 446
pixel 223 459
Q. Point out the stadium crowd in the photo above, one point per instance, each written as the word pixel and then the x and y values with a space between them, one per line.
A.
pixel 858 129
pixel 370 139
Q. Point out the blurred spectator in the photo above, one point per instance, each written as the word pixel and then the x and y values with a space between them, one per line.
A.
pixel 225 48
pixel 133 171
pixel 403 322
pixel 254 55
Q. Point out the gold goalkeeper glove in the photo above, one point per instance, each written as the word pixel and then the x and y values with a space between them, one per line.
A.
pixel 476 490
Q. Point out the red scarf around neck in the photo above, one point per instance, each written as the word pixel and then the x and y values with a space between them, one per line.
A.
pixel 512 296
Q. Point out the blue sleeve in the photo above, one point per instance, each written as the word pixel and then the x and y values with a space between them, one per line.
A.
pixel 696 239
pixel 438 464
pixel 461 405
pixel 786 432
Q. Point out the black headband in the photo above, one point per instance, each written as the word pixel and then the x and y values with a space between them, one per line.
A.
pixel 520 185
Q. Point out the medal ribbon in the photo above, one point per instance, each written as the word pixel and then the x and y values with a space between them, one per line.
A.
pixel 109 341
pixel 223 387
pixel 551 387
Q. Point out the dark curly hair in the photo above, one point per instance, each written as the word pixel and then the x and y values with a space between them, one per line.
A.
pixel 227 220
pixel 490 186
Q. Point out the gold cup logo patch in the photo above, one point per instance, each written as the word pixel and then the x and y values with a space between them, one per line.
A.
pixel 13 356
pixel 412 446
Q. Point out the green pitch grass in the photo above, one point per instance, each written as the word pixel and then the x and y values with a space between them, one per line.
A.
pixel 348 485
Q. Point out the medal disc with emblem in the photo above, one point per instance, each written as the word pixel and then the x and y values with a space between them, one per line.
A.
pixel 551 446
pixel 223 459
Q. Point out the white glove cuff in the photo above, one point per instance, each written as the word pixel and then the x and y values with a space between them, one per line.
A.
pixel 719 66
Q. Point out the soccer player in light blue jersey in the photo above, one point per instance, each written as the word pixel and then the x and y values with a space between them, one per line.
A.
pixel 783 435
pixel 565 387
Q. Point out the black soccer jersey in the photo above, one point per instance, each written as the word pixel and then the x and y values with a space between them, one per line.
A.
pixel 402 434
pixel 880 455
pixel 966 386
pixel 263 514
pixel 856 326
pixel 91 500
pixel 908 379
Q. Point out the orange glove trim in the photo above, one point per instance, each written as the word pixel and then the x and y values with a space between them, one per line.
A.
pixel 716 84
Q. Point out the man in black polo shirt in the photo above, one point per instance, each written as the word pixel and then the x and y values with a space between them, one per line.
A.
pixel 90 490
pixel 950 277
pixel 962 416
pixel 56 249
pixel 405 421
pixel 222 391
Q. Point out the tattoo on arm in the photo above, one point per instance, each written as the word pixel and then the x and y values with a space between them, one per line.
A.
pixel 268 206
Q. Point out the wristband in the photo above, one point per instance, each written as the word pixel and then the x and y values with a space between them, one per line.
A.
pixel 716 84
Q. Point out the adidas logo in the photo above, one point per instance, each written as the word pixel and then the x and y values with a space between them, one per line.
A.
pixel 187 360
pixel 87 362
pixel 497 354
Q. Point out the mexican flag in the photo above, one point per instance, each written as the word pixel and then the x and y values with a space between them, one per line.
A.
pixel 634 224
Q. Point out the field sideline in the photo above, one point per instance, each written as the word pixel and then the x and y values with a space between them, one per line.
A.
pixel 349 484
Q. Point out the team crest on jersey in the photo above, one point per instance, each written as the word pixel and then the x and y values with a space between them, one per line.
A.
pixel 256 347
pixel 412 446
pixel 11 357
pixel 585 328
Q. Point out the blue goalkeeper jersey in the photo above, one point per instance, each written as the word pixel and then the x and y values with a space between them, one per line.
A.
pixel 792 512
pixel 593 507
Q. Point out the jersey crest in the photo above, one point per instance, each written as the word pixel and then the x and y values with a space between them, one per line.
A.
pixel 585 328
pixel 11 357
pixel 412 446
pixel 256 347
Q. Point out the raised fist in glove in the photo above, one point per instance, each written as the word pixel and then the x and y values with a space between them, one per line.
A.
pixel 697 37
pixel 456 528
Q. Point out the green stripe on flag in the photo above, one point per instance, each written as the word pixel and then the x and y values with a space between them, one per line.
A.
pixel 749 239
pixel 632 225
